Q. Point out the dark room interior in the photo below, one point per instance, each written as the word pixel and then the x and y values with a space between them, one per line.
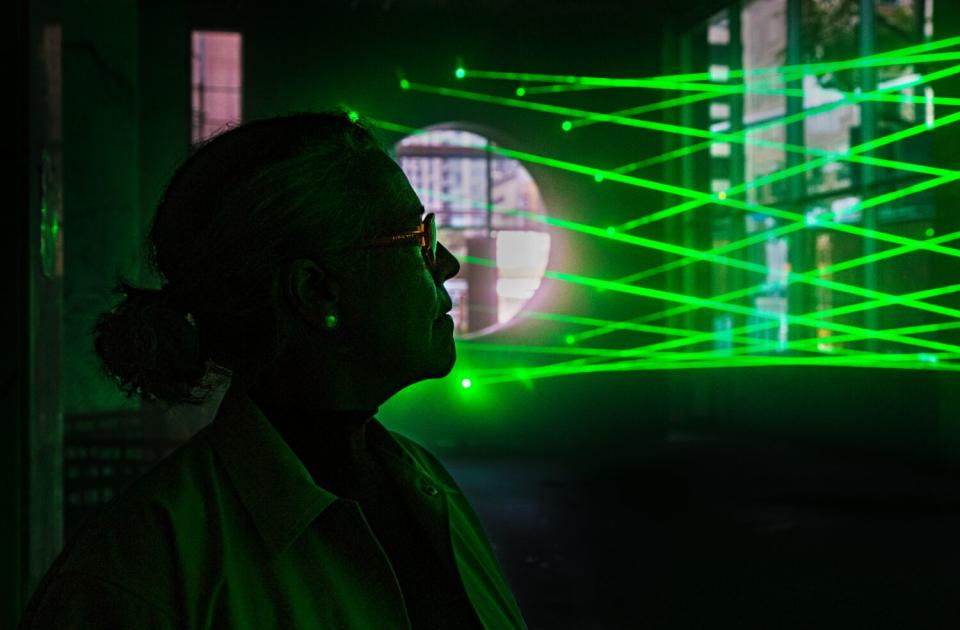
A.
pixel 707 314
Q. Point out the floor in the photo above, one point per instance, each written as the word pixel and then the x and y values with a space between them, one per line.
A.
pixel 708 531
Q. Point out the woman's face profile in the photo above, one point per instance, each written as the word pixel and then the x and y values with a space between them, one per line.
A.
pixel 394 313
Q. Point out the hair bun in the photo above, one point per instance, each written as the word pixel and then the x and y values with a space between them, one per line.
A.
pixel 152 344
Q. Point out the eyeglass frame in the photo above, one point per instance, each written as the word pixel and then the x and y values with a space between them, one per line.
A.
pixel 427 227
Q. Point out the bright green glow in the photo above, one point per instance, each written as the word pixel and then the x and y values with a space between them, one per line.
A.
pixel 812 279
pixel 882 299
pixel 353 116
pixel 657 354
pixel 688 81
pixel 665 157
pixel 567 125
pixel 598 177
pixel 904 361
pixel 466 383
pixel 404 84
pixel 784 230
pixel 866 334
pixel 707 197
pixel 739 293
pixel 460 73
pixel 929 232
pixel 741 137
pixel 755 207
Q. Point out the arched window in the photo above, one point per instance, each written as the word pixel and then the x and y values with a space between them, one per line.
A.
pixel 482 203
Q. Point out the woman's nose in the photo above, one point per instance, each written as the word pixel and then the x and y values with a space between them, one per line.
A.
pixel 447 264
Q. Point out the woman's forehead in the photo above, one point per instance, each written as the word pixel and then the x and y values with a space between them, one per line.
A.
pixel 406 205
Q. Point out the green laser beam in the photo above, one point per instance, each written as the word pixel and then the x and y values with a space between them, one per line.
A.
pixel 691 254
pixel 669 296
pixel 702 196
pixel 903 56
pixel 748 291
pixel 884 301
pixel 742 137
pixel 914 361
pixel 747 329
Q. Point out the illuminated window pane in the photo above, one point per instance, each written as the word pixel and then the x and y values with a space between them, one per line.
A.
pixel 216 82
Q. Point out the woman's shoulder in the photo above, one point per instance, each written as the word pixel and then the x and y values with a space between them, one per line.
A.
pixel 133 539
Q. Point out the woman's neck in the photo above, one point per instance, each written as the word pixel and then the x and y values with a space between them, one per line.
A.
pixel 332 444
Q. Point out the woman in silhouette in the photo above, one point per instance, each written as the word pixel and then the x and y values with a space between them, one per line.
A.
pixel 297 264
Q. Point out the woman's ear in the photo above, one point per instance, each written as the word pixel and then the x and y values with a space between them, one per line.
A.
pixel 310 290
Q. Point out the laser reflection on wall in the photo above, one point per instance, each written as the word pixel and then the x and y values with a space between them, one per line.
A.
pixel 803 200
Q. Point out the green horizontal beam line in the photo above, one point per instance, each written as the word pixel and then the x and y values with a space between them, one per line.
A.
pixel 554 89
pixel 527 373
pixel 904 330
pixel 777 73
pixel 817 316
pixel 797 225
pixel 668 296
pixel 755 343
pixel 683 357
pixel 583 228
pixel 745 292
pixel 847 98
pixel 753 290
pixel 741 137
pixel 808 278
pixel 650 107
pixel 708 337
pixel 595 322
pixel 897 57
pixel 677 190
pixel 778 232
pixel 849 155
pixel 690 81
pixel 603 326
pixel 663 157
pixel 606 353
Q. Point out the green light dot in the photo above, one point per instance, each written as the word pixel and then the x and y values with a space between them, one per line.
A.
pixel 404 84
pixel 466 383
pixel 460 73
pixel 598 177
pixel 611 230
pixel 353 116
pixel 570 340
pixel 567 125
pixel 930 232
pixel 521 91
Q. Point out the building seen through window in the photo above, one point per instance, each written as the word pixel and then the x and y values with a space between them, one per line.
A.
pixel 481 201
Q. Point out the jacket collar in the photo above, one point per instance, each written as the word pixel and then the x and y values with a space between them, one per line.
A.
pixel 274 485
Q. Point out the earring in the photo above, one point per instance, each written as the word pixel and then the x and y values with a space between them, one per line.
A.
pixel 331 321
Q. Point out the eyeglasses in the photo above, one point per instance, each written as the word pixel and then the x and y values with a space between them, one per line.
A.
pixel 425 236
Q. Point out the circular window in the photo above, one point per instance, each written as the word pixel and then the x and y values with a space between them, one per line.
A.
pixel 483 204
